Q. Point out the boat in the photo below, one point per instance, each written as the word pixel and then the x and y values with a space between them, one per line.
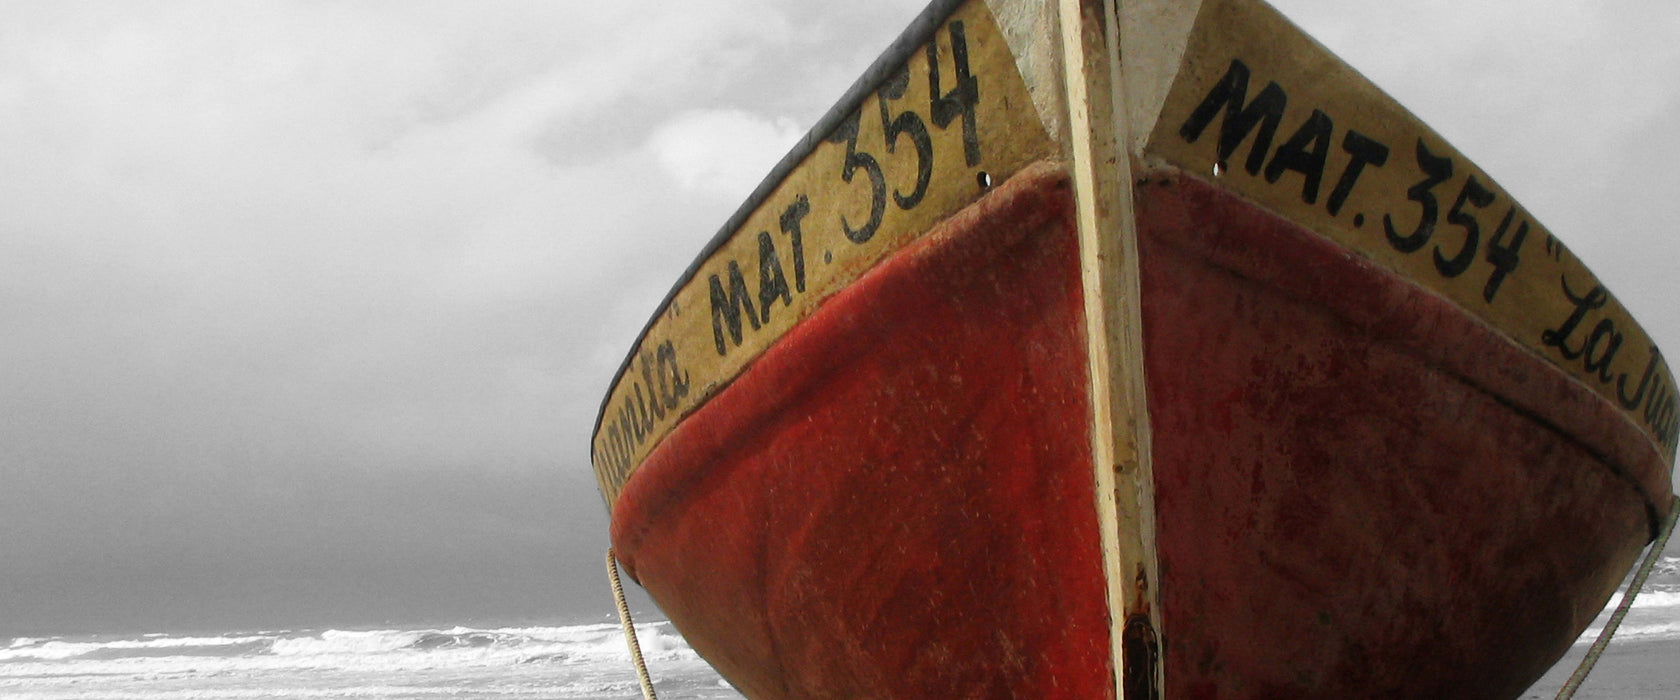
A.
pixel 1132 350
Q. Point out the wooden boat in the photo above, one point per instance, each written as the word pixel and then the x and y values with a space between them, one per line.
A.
pixel 1144 351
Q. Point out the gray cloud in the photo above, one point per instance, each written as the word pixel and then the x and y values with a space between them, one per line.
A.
pixel 310 306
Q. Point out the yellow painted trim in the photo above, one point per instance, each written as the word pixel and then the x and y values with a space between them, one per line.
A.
pixel 761 282
pixel 1311 139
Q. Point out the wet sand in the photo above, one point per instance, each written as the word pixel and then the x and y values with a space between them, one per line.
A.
pixel 1629 670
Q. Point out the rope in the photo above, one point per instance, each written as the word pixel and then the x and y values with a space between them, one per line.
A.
pixel 1580 675
pixel 630 627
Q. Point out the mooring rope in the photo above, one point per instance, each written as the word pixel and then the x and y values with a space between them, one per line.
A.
pixel 629 627
pixel 1580 675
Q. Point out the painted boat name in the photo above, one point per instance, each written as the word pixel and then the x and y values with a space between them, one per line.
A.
pixel 1648 395
pixel 656 386
pixel 1307 152
pixel 731 301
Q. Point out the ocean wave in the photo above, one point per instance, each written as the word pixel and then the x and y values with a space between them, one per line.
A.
pixel 1655 614
pixel 574 641
pixel 459 640
pixel 332 642
pixel 1660 598
pixel 59 649
pixel 1651 631
pixel 349 651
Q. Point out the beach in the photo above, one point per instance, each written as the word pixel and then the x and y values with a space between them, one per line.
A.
pixel 585 661
pixel 567 662
pixel 1629 670
pixel 1639 663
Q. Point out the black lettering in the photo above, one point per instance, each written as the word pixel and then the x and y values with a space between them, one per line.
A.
pixel 1503 256
pixel 1601 363
pixel 962 99
pixel 727 308
pixel 1305 152
pixel 665 394
pixel 656 403
pixel 628 425
pixel 640 412
pixel 604 457
pixel 668 370
pixel 790 225
pixel 907 123
pixel 645 403
pixel 1437 170
pixel 772 284
pixel 626 445
pixel 1365 151
pixel 1475 194
pixel 1241 117
pixel 1659 410
pixel 614 442
pixel 855 159
pixel 1559 337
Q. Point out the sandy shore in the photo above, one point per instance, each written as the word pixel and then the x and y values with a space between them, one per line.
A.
pixel 1629 670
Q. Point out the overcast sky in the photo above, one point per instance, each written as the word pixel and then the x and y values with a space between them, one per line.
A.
pixel 309 306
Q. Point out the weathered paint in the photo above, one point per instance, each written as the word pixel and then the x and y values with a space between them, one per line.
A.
pixel 1261 109
pixel 902 160
pixel 1100 166
pixel 1394 421
pixel 895 501
pixel 1363 491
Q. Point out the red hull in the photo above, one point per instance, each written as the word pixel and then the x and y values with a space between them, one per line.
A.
pixel 895 500
pixel 1360 490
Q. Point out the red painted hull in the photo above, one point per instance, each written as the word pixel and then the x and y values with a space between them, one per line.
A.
pixel 1361 492
pixel 895 500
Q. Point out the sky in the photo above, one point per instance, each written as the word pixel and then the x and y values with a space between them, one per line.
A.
pixel 308 307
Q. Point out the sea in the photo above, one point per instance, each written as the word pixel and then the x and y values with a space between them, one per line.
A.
pixel 459 663
pixel 586 661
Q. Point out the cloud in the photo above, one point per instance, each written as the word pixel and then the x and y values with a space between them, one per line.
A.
pixel 266 265
pixel 723 152
pixel 344 275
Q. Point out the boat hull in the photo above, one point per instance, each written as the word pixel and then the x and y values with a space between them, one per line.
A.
pixel 895 500
pixel 1199 370
pixel 1361 490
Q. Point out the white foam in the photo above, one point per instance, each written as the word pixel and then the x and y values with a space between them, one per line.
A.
pixel 333 642
pixel 1647 599
pixel 58 649
pixel 1655 614
pixel 344 651
pixel 1657 630
pixel 576 661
